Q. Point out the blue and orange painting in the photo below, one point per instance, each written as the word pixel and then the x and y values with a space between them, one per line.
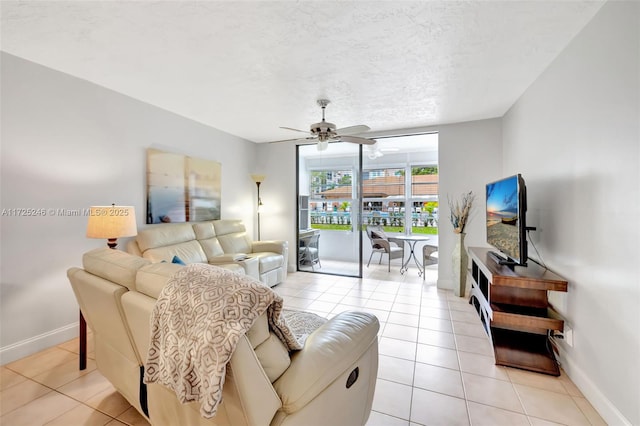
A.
pixel 502 202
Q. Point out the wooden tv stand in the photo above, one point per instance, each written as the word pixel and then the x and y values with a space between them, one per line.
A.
pixel 515 312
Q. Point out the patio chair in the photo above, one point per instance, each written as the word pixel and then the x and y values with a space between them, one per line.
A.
pixel 309 250
pixel 382 244
pixel 429 257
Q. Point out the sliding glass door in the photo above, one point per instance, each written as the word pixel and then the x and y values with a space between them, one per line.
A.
pixel 329 213
pixel 340 190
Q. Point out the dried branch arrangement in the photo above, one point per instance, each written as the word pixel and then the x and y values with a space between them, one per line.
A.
pixel 460 211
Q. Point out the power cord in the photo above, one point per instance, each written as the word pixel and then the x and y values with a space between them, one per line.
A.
pixel 541 261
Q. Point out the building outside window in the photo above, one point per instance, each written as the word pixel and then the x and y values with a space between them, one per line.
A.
pixel 386 193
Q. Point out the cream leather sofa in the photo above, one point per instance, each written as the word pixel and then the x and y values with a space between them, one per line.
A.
pixel 218 242
pixel 330 382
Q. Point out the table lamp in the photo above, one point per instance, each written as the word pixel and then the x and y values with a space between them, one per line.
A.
pixel 111 222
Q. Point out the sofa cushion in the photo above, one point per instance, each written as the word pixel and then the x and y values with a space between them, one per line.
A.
pixel 228 226
pixel 152 278
pixel 235 243
pixel 211 247
pixel 233 267
pixel 204 230
pixel 273 356
pixel 188 252
pixel 114 265
pixel 232 236
pixel 164 235
pixel 259 331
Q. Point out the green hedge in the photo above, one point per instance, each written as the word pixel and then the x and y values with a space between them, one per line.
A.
pixel 416 230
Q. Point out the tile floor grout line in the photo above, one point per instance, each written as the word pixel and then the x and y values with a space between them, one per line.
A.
pixel 415 360
pixel 464 387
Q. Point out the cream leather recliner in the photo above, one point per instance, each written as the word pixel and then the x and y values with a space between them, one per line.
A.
pixel 331 381
pixel 222 242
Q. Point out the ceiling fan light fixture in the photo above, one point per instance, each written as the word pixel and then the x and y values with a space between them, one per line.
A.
pixel 325 131
pixel 373 151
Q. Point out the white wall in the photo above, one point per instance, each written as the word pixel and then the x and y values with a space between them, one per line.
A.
pixel 470 157
pixel 574 135
pixel 70 144
pixel 278 222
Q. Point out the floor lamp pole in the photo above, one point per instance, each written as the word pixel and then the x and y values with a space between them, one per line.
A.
pixel 258 180
pixel 259 205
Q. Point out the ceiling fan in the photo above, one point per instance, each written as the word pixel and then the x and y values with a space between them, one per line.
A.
pixel 324 131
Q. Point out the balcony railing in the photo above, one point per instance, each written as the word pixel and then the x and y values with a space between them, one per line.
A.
pixel 395 219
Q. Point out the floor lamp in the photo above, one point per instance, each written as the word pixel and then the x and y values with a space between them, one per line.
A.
pixel 258 179
pixel 110 223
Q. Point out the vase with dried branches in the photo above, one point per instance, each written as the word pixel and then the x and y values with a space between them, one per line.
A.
pixel 459 216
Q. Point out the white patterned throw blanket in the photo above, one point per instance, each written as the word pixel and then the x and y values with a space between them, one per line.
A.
pixel 195 326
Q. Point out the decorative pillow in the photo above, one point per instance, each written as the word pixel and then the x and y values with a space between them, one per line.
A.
pixel 177 260
pixel 378 235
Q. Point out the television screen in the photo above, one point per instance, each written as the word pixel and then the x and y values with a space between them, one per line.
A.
pixel 506 207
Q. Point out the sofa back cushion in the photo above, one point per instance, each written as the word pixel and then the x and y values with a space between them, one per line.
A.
pixel 232 236
pixel 152 278
pixel 113 265
pixel 163 242
pixel 187 252
pixel 206 235
pixel 164 235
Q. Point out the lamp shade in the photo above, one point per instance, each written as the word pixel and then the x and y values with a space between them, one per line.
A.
pixel 111 222
pixel 258 178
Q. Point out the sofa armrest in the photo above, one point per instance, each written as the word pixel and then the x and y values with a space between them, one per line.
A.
pixel 275 246
pixel 227 258
pixel 250 265
pixel 327 353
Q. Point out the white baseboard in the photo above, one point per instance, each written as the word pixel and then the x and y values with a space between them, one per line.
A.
pixel 598 400
pixel 36 344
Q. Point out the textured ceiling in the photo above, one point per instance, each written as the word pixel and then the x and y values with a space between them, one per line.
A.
pixel 248 67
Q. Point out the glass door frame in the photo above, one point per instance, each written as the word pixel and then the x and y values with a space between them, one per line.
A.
pixel 355 214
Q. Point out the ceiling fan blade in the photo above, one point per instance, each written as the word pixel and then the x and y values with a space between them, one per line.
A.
pixel 305 140
pixel 356 139
pixel 295 130
pixel 353 129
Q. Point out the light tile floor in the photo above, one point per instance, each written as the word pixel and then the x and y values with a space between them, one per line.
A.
pixel 436 364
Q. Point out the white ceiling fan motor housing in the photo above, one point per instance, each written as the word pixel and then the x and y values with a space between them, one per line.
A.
pixel 324 130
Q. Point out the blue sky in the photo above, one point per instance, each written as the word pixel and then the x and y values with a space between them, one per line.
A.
pixel 502 196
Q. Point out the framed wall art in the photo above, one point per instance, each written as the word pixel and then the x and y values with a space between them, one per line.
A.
pixel 181 188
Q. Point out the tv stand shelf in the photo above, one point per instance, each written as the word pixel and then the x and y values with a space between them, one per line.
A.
pixel 514 309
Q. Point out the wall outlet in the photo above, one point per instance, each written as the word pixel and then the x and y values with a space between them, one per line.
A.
pixel 568 335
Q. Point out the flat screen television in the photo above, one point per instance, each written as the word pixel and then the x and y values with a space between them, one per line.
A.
pixel 506 219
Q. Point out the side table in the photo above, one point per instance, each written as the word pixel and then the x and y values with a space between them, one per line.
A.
pixel 411 241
